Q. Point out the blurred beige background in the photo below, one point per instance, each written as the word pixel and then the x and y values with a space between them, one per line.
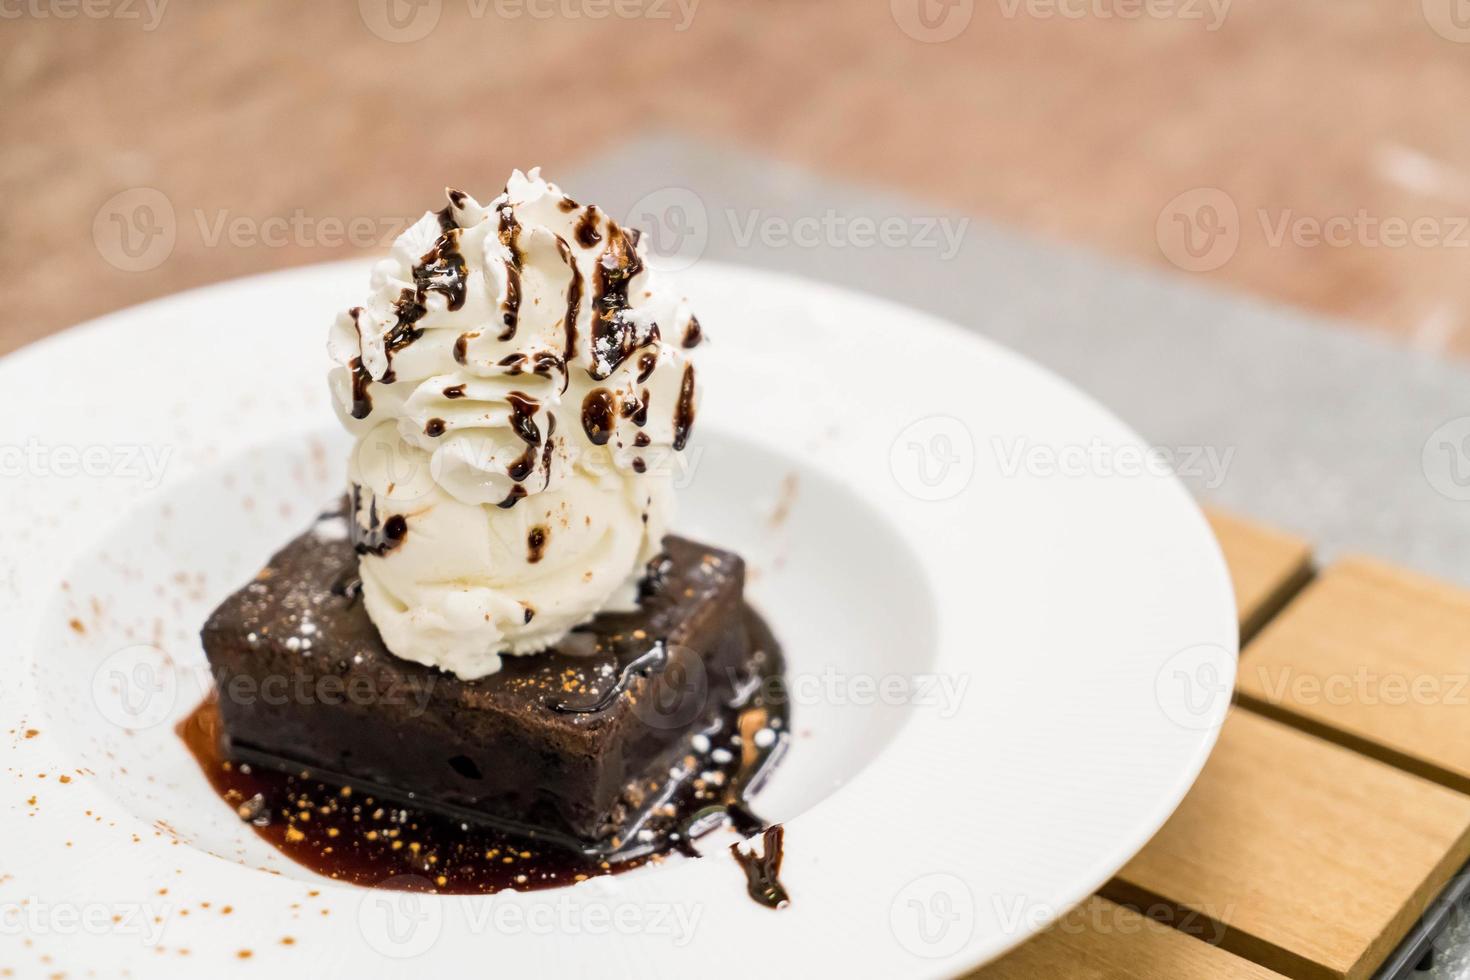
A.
pixel 1313 152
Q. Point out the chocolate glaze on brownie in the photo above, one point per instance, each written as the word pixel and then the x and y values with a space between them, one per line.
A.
pixel 636 734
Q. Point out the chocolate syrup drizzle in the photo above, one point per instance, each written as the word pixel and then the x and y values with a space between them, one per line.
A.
pixel 692 333
pixel 574 297
pixel 647 361
pixel 614 338
pixel 443 270
pixel 379 537
pixel 523 422
pixel 586 230
pixel 657 656
pixel 536 540
pixel 598 411
pixel 348 586
pixel 684 411
pixel 542 363
pixel 509 235
pixel 637 410
pixel 762 872
pixel 547 448
pixel 523 417
pixel 362 400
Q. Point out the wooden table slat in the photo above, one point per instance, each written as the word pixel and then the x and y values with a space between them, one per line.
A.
pixel 1315 859
pixel 1375 658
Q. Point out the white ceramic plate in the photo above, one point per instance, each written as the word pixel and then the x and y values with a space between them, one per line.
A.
pixel 1011 646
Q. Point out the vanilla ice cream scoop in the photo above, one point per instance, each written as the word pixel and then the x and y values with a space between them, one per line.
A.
pixel 518 385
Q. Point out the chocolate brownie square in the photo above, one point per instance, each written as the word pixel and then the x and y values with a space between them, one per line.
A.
pixel 574 744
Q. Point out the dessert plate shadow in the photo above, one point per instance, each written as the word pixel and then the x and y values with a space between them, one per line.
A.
pixel 1010 639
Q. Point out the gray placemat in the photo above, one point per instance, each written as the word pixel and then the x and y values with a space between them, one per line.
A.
pixel 1313 426
pixel 1310 425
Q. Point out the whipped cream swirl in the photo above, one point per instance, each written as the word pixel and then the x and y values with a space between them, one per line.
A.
pixel 517 383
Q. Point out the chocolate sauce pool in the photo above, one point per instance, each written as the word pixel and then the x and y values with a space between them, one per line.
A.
pixel 347 834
